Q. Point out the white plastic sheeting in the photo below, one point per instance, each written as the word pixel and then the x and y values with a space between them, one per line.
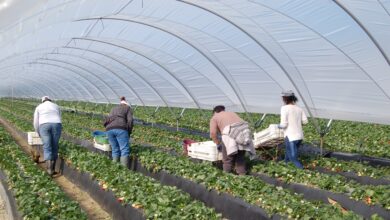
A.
pixel 199 53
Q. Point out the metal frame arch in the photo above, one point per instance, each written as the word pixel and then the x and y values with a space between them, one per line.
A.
pixel 54 74
pixel 158 64
pixel 360 24
pixel 125 65
pixel 36 90
pixel 104 67
pixel 85 70
pixel 131 69
pixel 208 35
pixel 23 73
pixel 189 66
pixel 43 54
pixel 327 40
pixel 60 76
pixel 264 48
pixel 42 85
pixel 213 62
pixel 53 81
pixel 68 69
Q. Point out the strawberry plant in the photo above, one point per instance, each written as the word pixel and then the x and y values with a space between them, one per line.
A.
pixel 345 136
pixel 333 183
pixel 36 194
pixel 144 193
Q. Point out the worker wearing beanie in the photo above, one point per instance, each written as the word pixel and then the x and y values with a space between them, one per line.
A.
pixel 47 123
pixel 119 125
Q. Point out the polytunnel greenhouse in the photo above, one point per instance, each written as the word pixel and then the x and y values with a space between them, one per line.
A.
pixel 130 109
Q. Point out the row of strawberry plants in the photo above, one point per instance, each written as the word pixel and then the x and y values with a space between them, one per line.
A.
pixel 163 139
pixel 36 194
pixel 153 199
pixel 248 188
pixel 141 192
pixel 356 137
pixel 334 183
pixel 172 140
pixel 364 138
pixel 360 168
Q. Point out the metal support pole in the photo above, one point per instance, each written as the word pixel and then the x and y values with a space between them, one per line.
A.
pixel 323 133
pixel 259 122
pixel 154 113
pixel 178 118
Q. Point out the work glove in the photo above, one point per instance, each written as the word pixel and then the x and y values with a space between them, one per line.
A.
pixel 219 147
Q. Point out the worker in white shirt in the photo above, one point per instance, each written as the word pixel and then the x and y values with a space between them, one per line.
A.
pixel 291 119
pixel 47 123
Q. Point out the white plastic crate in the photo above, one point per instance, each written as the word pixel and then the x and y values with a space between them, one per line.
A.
pixel 270 137
pixel 33 138
pixel 204 151
pixel 103 147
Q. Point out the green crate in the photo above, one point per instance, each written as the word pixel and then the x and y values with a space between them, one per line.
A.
pixel 101 139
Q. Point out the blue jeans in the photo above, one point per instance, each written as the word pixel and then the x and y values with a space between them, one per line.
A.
pixel 119 141
pixel 292 152
pixel 50 134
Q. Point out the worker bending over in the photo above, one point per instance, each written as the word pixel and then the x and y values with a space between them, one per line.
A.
pixel 236 139
pixel 47 123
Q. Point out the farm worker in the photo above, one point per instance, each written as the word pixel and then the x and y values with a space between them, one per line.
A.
pixel 47 123
pixel 236 139
pixel 119 125
pixel 291 119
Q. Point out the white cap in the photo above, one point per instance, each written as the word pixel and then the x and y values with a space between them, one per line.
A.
pixel 44 98
pixel 287 93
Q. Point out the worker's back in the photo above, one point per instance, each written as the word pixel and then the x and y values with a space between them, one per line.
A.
pixel 121 118
pixel 223 119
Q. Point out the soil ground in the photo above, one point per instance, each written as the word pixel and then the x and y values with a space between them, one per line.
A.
pixel 3 210
pixel 86 202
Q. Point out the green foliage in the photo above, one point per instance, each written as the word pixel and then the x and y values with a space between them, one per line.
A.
pixel 345 136
pixel 334 183
pixel 37 196
pixel 153 199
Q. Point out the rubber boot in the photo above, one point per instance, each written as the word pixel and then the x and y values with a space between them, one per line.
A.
pixel 115 159
pixel 125 161
pixel 49 167
pixel 53 166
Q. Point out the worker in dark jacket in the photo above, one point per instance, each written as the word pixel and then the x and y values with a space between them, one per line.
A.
pixel 119 125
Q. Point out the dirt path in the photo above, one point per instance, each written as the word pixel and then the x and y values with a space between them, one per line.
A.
pixel 3 209
pixel 88 204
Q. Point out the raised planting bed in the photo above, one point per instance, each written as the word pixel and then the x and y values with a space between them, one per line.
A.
pixel 361 169
pixel 36 195
pixel 248 188
pixel 9 199
pixel 287 211
pixel 366 200
pixel 145 194
pixel 358 138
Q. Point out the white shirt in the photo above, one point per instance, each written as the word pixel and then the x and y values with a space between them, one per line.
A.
pixel 291 119
pixel 47 112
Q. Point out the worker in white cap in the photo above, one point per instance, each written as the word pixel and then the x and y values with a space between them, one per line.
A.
pixel 291 119
pixel 47 123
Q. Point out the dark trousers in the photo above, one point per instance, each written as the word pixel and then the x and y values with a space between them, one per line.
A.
pixel 237 160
